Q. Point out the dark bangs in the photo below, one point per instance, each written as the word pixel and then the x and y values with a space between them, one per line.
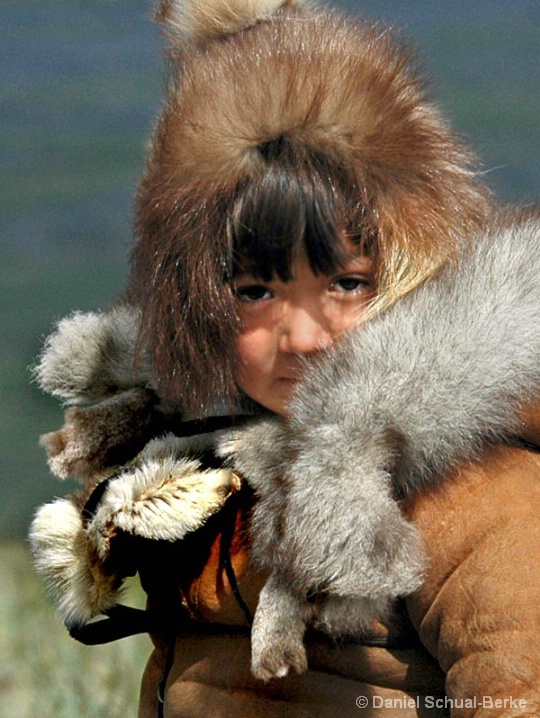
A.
pixel 291 208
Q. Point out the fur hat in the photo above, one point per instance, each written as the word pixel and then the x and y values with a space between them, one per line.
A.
pixel 331 95
pixel 247 72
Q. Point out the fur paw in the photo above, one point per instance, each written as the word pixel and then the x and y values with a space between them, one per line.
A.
pixel 275 652
pixel 277 633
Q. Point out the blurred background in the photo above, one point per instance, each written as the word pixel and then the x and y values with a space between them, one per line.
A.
pixel 81 82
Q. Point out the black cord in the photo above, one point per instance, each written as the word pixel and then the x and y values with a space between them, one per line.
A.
pixel 231 577
pixel 225 557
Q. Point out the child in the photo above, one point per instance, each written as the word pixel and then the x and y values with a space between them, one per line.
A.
pixel 299 183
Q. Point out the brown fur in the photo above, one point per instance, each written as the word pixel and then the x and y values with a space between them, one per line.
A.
pixel 97 438
pixel 334 89
pixel 192 22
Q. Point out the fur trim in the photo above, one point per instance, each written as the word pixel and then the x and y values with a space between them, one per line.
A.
pixel 65 560
pixel 97 439
pixel 198 21
pixel 163 499
pixel 91 356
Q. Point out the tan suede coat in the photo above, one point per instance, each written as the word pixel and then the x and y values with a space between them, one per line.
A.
pixel 467 643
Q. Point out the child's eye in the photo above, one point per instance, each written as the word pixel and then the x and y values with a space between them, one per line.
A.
pixel 252 293
pixel 350 284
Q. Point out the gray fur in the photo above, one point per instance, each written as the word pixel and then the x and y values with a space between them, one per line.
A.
pixel 325 525
pixel 389 411
pixel 91 356
pixel 443 372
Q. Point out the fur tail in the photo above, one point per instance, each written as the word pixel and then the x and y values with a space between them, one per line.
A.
pixel 78 582
pixel 196 22
pixel 446 370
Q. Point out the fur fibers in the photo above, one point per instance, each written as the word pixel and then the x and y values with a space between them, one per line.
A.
pixel 159 496
pixel 162 499
pixel 107 434
pixel 78 582
pixel 391 410
pixel 99 349
pixel 196 22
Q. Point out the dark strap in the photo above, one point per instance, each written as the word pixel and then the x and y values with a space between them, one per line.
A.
pixel 207 425
pixel 225 560
pixel 91 506
pixel 119 622
pixel 521 443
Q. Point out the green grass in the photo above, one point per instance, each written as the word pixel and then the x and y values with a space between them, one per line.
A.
pixel 46 673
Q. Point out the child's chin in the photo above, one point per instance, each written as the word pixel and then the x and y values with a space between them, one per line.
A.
pixel 284 391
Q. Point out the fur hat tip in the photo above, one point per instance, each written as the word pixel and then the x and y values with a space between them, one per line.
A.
pixel 196 22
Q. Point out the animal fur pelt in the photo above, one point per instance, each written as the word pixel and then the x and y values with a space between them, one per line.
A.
pixel 161 495
pixel 388 412
pixel 91 356
pixel 191 22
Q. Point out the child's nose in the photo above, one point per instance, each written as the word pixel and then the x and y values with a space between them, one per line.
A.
pixel 304 332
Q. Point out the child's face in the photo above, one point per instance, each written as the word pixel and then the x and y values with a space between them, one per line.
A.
pixel 282 322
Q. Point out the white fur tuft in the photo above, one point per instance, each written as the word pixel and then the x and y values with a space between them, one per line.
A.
pixel 162 499
pixel 63 560
pixel 197 21
pixel 90 356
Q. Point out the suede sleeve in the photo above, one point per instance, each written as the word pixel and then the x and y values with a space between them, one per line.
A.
pixel 478 611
